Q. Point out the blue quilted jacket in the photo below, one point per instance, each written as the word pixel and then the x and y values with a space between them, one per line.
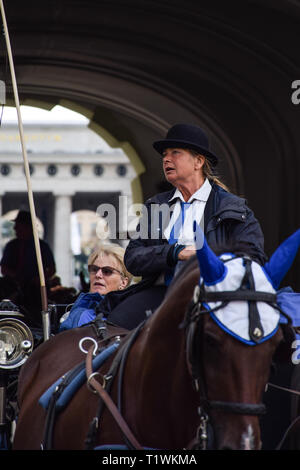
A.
pixel 83 310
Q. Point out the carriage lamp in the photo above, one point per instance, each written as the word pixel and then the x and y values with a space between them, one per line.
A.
pixel 16 343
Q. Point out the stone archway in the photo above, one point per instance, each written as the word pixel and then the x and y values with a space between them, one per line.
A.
pixel 138 67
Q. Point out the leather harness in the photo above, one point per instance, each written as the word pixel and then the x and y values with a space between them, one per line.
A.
pixel 192 325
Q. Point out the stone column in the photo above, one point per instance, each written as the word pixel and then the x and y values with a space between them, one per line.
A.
pixel 125 203
pixel 62 237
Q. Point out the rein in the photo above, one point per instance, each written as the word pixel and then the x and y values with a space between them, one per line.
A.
pixel 295 421
pixel 104 389
pixel 100 389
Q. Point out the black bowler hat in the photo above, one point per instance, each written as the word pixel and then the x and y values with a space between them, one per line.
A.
pixel 186 136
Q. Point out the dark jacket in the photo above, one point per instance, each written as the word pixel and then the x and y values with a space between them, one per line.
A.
pixel 88 305
pixel 227 220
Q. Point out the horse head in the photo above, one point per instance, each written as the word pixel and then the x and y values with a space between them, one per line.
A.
pixel 233 331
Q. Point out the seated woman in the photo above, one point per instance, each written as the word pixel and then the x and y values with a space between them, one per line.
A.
pixel 107 273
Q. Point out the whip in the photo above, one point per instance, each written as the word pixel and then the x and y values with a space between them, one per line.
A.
pixel 45 311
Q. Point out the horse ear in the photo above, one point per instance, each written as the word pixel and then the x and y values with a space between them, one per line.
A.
pixel 211 267
pixel 282 259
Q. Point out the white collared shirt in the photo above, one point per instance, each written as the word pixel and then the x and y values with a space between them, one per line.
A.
pixel 195 212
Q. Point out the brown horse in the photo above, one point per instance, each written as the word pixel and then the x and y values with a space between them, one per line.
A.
pixel 180 371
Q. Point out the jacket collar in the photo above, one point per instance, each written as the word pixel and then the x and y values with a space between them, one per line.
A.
pixel 202 194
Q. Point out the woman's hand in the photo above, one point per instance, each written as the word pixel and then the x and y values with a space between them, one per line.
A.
pixel 187 253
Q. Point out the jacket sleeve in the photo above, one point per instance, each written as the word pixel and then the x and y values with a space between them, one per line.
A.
pixel 147 254
pixel 142 259
pixel 249 233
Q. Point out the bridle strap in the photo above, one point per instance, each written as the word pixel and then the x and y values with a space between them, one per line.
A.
pixel 239 294
pixel 284 389
pixel 247 293
pixel 251 409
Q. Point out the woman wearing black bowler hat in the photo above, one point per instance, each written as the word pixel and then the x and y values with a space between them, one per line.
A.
pixel 198 195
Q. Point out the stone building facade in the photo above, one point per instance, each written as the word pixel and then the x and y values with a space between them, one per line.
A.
pixel 73 171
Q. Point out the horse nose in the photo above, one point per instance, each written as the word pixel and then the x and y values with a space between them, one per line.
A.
pixel 239 441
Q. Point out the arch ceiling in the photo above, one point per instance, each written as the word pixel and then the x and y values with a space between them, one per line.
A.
pixel 136 67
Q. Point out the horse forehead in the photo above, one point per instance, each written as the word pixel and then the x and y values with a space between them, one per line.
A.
pixel 237 349
pixel 236 270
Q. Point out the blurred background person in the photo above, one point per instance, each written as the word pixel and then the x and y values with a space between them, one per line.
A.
pixel 19 264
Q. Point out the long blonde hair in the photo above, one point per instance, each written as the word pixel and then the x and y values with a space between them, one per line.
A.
pixel 208 172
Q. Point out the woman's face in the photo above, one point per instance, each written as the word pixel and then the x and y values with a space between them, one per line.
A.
pixel 180 166
pixel 109 280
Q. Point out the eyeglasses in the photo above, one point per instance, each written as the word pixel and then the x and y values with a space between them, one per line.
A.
pixel 106 270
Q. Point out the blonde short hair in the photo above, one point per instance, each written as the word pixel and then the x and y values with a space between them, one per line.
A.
pixel 114 250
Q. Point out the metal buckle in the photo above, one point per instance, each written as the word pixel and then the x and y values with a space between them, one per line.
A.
pixel 196 294
pixel 90 386
pixel 202 431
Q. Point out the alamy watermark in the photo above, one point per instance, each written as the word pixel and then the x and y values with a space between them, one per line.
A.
pixel 134 221
pixel 295 97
